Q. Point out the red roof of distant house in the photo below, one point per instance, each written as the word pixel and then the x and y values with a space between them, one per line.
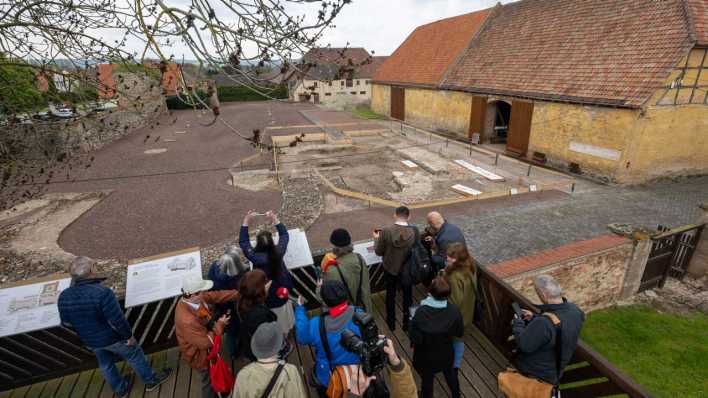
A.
pixel 339 56
pixel 612 52
pixel 428 52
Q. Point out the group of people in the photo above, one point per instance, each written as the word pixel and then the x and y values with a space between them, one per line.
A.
pixel 249 308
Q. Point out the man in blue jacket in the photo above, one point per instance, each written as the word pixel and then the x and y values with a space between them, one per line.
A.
pixel 93 311
pixel 337 318
pixel 445 233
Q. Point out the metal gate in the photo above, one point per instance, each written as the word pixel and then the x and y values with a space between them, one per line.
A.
pixel 670 254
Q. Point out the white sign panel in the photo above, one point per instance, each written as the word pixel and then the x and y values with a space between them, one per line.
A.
pixel 464 189
pixel 533 188
pixel 513 191
pixel 366 250
pixel 31 306
pixel 476 169
pixel 160 278
pixel 592 150
pixel 298 253
pixel 409 163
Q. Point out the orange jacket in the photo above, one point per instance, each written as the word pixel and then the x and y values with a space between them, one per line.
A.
pixel 191 330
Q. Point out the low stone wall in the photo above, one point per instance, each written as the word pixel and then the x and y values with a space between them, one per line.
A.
pixel 592 272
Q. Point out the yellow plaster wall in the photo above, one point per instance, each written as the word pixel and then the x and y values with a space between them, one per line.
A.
pixel 555 126
pixel 439 110
pixel 381 99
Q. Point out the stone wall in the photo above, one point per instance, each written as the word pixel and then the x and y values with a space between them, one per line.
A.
pixel 592 273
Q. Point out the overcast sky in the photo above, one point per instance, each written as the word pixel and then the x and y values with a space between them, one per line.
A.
pixel 382 25
pixel 377 25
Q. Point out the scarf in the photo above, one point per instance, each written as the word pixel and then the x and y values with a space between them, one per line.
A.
pixel 430 301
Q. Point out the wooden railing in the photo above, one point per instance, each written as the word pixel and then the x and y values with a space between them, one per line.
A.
pixel 33 357
pixel 587 375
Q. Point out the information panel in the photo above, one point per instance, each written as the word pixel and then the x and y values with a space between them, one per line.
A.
pixel 160 277
pixel 31 305
pixel 366 250
pixel 298 253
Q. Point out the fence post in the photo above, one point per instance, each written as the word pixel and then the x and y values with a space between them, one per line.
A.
pixel 635 267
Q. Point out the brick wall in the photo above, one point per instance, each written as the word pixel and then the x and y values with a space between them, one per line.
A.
pixel 591 272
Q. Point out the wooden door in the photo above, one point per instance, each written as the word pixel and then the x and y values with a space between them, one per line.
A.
pixel 316 97
pixel 398 103
pixel 519 127
pixel 477 115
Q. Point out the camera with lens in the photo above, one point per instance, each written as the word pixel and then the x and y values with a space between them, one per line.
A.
pixel 370 347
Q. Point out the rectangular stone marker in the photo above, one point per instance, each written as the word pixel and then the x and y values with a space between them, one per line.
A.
pixel 513 191
pixel 169 140
pixel 476 169
pixel 409 163
pixel 465 190
pixel 180 132
pixel 533 188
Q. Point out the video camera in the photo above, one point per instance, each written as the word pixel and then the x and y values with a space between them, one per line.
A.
pixel 370 347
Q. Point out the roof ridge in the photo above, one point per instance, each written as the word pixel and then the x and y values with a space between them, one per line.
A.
pixel 456 16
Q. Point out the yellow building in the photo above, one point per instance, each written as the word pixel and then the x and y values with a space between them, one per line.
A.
pixel 615 89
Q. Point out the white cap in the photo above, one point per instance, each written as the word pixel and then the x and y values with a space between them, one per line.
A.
pixel 194 284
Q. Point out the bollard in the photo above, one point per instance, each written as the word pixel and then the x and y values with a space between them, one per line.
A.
pixel 572 188
pixel 528 173
pixel 496 160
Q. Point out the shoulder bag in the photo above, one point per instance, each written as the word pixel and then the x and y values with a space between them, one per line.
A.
pixel 273 379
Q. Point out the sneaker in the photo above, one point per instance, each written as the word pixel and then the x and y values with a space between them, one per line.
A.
pixel 125 393
pixel 162 377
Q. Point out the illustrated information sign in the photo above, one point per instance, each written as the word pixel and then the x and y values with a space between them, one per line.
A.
pixel 160 277
pixel 366 250
pixel 298 253
pixel 30 306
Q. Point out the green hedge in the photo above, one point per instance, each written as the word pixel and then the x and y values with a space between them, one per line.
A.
pixel 173 102
pixel 241 93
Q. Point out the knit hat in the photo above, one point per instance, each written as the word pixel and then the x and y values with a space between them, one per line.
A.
pixel 267 340
pixel 333 293
pixel 340 237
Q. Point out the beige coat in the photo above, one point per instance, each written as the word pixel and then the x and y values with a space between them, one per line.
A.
pixel 252 381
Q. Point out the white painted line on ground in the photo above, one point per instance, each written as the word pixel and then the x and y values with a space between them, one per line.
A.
pixel 465 190
pixel 409 163
pixel 180 132
pixel 476 169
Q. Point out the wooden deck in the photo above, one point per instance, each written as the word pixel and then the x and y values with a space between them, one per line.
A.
pixel 482 361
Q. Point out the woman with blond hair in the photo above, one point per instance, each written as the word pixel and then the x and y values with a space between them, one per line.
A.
pixel 461 275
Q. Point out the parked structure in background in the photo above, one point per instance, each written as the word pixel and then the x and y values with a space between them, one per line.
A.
pixel 106 76
pixel 329 75
pixel 596 87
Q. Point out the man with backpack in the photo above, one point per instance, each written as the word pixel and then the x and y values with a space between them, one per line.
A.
pixel 394 244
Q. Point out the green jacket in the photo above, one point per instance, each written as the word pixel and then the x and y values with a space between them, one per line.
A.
pixel 252 381
pixel 351 266
pixel 463 293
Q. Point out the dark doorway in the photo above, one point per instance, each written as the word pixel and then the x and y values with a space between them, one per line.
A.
pixel 398 103
pixel 501 121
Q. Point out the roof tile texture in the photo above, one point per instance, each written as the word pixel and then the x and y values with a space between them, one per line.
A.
pixel 606 51
pixel 699 17
pixel 426 54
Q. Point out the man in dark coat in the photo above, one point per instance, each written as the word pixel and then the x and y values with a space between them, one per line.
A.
pixel 535 334
pixel 445 234
pixel 93 311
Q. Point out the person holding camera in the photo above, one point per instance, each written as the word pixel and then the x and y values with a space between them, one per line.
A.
pixel 350 268
pixel 226 273
pixel 461 274
pixel 444 234
pixel 269 376
pixel 324 333
pixel 268 257
pixel 545 343
pixel 196 324
pixel 435 324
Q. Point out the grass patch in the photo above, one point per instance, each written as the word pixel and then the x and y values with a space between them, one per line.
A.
pixel 365 112
pixel 667 354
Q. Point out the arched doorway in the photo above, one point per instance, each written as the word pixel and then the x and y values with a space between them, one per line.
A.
pixel 497 122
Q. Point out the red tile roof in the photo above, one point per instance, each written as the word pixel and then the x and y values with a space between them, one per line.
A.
pixel 614 52
pixel 545 258
pixel 426 54
pixel 698 13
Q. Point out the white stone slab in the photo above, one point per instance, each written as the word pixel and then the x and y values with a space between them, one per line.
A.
pixel 409 163
pixel 513 191
pixel 592 150
pixel 533 188
pixel 479 170
pixel 465 190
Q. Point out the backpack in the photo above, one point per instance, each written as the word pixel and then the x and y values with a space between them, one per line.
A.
pixel 417 266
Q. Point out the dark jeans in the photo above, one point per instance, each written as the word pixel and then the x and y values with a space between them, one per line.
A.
pixel 428 380
pixel 391 282
pixel 133 355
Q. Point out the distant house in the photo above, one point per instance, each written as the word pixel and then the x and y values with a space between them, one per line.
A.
pixel 105 75
pixel 617 89
pixel 327 75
